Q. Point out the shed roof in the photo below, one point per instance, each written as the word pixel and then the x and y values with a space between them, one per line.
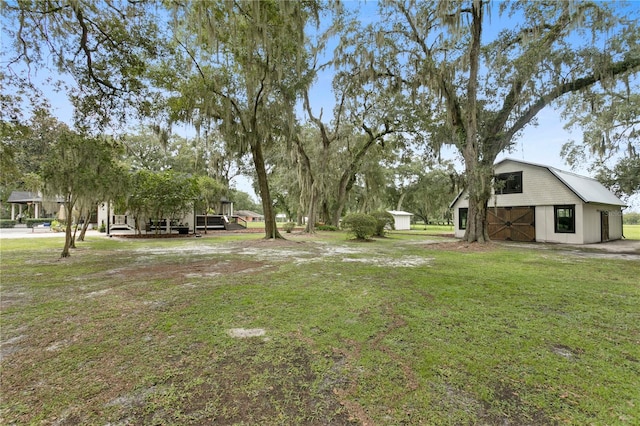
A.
pixel 399 213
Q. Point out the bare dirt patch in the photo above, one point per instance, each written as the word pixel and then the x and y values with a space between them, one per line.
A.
pixel 404 262
pixel 243 333
pixel 566 352
pixel 269 243
pixel 463 247
pixel 179 272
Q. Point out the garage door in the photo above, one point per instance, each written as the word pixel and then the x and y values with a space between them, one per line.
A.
pixel 512 223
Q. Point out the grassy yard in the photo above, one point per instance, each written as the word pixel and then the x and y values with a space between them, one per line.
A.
pixel 632 232
pixel 409 329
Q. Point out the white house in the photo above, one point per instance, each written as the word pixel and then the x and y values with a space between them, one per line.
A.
pixel 533 202
pixel 402 220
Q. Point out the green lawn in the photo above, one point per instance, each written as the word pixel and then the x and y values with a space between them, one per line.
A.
pixel 631 232
pixel 393 331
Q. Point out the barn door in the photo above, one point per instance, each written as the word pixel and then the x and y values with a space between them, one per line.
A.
pixel 604 226
pixel 512 223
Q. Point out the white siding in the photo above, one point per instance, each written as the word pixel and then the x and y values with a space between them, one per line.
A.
pixel 546 228
pixel 539 187
pixel 593 223
pixel 615 223
pixel 544 220
pixel 402 223
pixel 461 202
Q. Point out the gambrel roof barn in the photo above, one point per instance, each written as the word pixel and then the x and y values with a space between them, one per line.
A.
pixel 533 202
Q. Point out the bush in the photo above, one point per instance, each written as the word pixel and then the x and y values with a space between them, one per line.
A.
pixel 322 227
pixel 288 227
pixel 361 225
pixel 384 220
pixel 7 223
pixel 56 226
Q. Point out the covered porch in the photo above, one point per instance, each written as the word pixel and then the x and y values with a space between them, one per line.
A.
pixel 26 204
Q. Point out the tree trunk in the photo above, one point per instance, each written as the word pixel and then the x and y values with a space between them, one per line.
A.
pixel 479 168
pixel 311 211
pixel 67 241
pixel 85 225
pixel 270 227
pixel 479 175
pixel 400 200
pixel 68 238
pixel 349 175
pixel 346 182
pixel 72 243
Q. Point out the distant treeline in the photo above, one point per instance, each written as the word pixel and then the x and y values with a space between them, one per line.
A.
pixel 631 218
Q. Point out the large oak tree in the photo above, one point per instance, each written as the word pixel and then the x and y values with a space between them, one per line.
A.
pixel 241 66
pixel 494 67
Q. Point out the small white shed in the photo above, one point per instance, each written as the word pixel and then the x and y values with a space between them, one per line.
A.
pixel 402 220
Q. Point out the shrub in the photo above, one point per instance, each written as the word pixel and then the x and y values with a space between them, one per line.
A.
pixel 322 227
pixel 7 223
pixel 57 226
pixel 361 225
pixel 288 227
pixel 384 220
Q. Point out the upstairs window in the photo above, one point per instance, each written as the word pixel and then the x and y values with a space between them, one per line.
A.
pixel 565 219
pixel 509 183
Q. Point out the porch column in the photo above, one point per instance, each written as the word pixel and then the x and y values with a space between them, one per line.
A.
pixel 13 211
pixel 36 210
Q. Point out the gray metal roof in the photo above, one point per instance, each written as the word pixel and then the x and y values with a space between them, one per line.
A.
pixel 23 197
pixel 588 189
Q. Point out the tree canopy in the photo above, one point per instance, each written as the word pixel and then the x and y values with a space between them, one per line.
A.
pixel 493 87
pixel 79 168
pixel 472 75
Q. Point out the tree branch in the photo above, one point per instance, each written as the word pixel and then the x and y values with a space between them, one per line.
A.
pixel 87 52
pixel 631 64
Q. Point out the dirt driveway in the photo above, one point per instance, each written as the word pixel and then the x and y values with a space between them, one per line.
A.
pixel 619 246
pixel 620 249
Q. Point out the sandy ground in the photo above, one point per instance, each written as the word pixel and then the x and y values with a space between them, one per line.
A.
pixel 7 233
pixel 613 247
